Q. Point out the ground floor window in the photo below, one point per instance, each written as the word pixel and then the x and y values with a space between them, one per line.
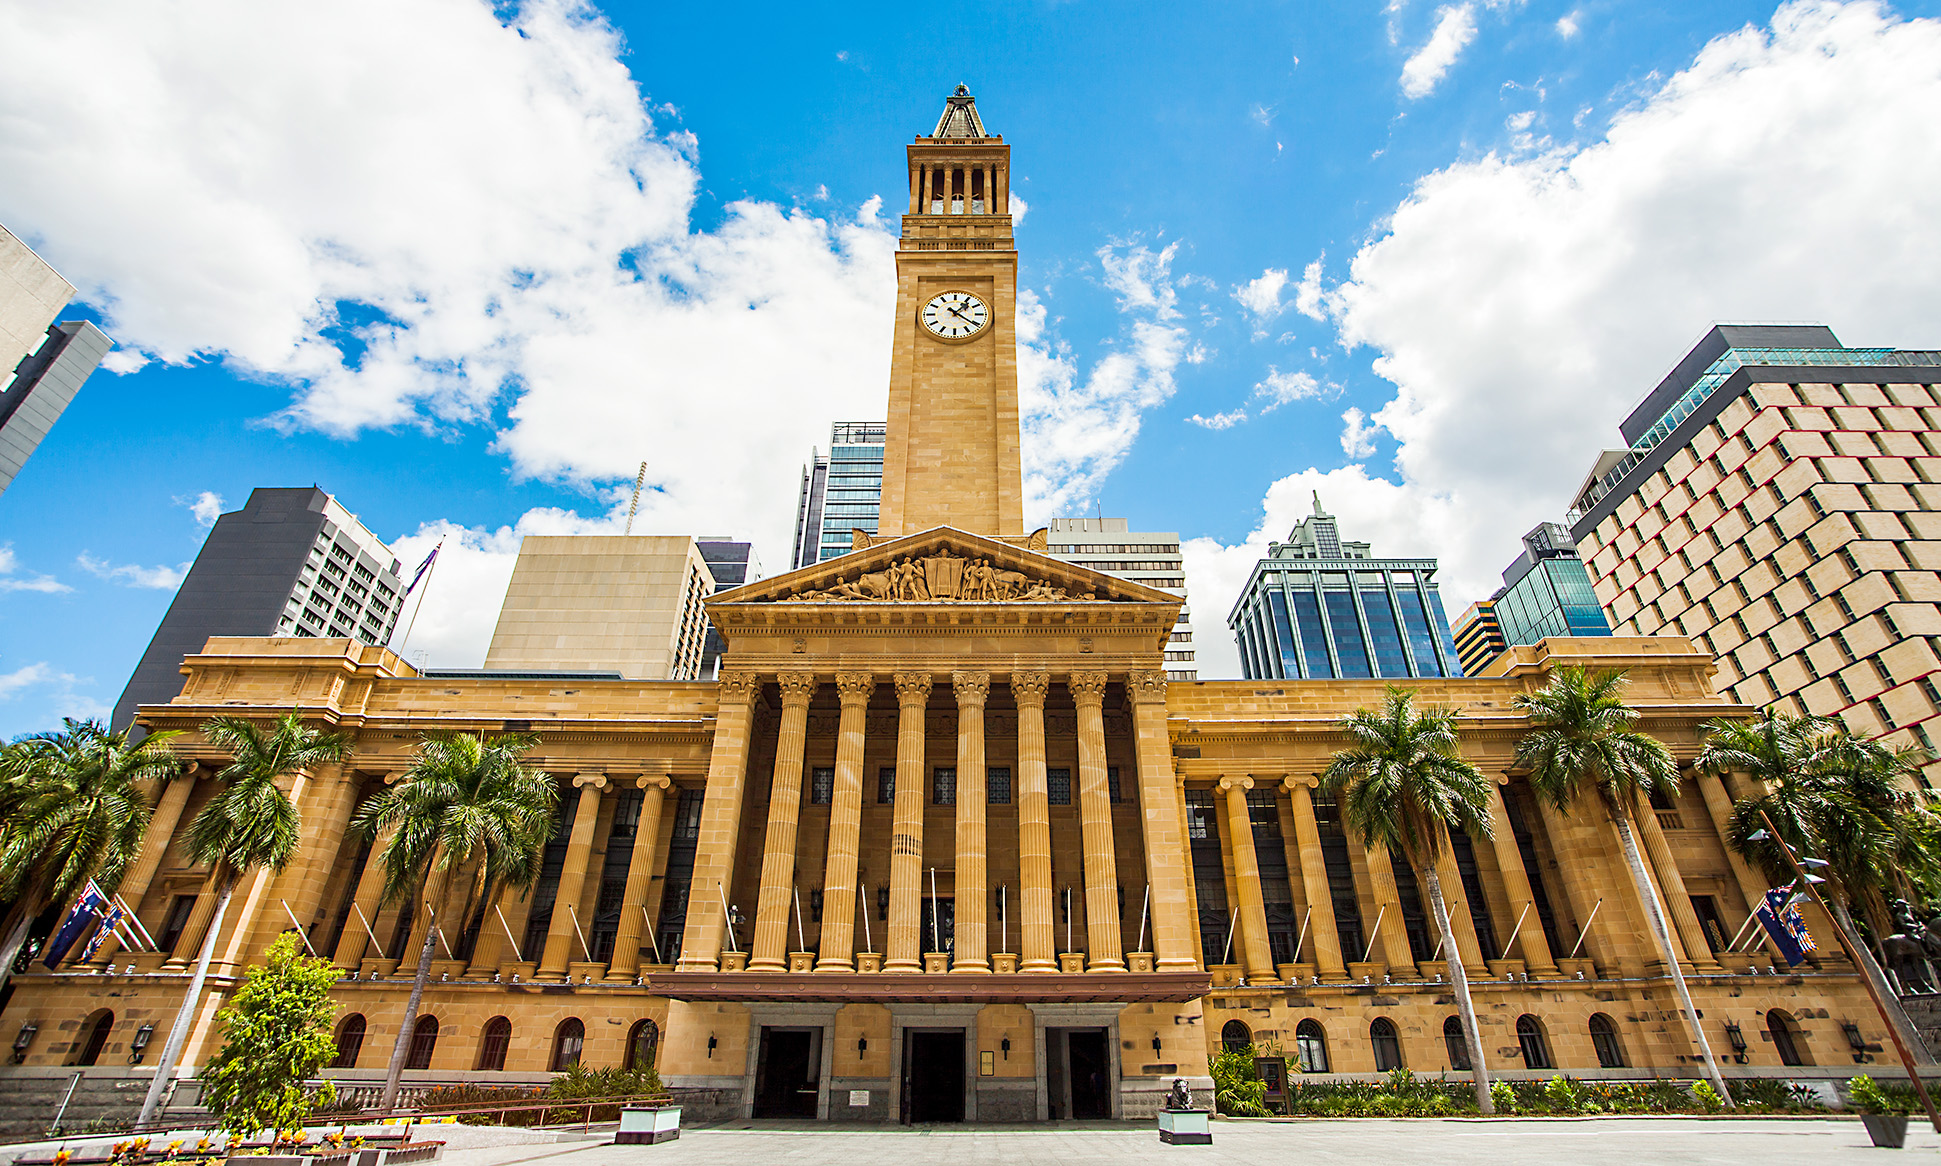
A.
pixel 1604 1038
pixel 493 1043
pixel 1311 1045
pixel 424 1039
pixel 568 1039
pixel 350 1042
pixel 1388 1047
pixel 1529 1037
pixel 1452 1036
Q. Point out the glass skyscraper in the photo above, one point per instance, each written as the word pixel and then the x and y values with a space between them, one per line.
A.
pixel 841 492
pixel 1547 591
pixel 1317 608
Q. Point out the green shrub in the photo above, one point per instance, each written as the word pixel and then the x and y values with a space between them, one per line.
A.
pixel 1870 1096
pixel 1708 1096
pixel 1238 1090
pixel 1502 1097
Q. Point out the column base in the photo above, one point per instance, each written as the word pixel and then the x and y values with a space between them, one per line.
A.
pixel 1107 964
pixel 833 964
pixel 903 967
pixel 1178 964
pixel 622 975
pixel 971 966
pixel 767 963
pixel 1039 965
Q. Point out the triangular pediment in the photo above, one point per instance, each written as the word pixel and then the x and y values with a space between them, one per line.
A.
pixel 944 566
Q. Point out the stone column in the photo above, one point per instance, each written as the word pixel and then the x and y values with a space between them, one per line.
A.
pixel 1168 865
pixel 714 858
pixel 1107 953
pixel 1531 943
pixel 562 936
pixel 1321 932
pixel 155 844
pixel 1594 938
pixel 769 951
pixel 903 949
pixel 1256 956
pixel 302 883
pixel 1671 887
pixel 1455 897
pixel 640 873
pixel 253 894
pixel 1036 935
pixel 1718 807
pixel 845 826
pixel 1395 935
pixel 188 945
pixel 354 944
pixel 972 689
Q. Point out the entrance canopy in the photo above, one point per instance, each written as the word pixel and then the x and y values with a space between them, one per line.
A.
pixel 876 988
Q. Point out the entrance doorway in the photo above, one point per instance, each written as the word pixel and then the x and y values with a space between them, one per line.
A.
pixel 933 1075
pixel 1078 1078
pixel 785 1074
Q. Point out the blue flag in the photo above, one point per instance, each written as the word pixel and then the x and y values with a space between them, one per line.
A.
pixel 1779 915
pixel 87 909
pixel 423 567
pixel 109 922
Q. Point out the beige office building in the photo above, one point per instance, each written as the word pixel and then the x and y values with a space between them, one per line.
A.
pixel 42 364
pixel 618 603
pixel 1777 504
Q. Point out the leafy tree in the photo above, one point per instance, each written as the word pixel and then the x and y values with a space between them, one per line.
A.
pixel 72 809
pixel 1404 785
pixel 1583 741
pixel 276 1034
pixel 466 803
pixel 248 824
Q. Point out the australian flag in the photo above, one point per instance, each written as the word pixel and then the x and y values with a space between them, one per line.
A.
pixel 109 922
pixel 88 908
pixel 1779 915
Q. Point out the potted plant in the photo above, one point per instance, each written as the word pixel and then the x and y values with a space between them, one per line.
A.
pixel 1884 1114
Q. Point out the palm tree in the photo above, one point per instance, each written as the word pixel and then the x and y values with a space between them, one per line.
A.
pixel 73 811
pixel 250 823
pixel 1583 736
pixel 465 803
pixel 1829 794
pixel 1406 786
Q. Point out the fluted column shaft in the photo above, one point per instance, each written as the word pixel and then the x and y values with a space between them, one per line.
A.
pixel 845 826
pixel 1036 935
pixel 1455 897
pixel 353 946
pixel 252 893
pixel 563 931
pixel 1718 806
pixel 903 951
pixel 1256 956
pixel 155 843
pixel 301 885
pixel 1531 943
pixel 972 690
pixel 640 873
pixel 769 951
pixel 1671 885
pixel 714 862
pixel 1168 866
pixel 1107 952
pixel 1394 932
pixel 1321 932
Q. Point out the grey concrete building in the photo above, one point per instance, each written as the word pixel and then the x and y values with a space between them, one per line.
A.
pixel 1149 557
pixel 44 362
pixel 291 562
pixel 732 563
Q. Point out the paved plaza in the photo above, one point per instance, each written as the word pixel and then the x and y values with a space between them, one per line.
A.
pixel 1591 1142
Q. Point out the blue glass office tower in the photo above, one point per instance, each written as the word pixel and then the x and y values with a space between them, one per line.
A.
pixel 1547 591
pixel 1317 608
pixel 841 492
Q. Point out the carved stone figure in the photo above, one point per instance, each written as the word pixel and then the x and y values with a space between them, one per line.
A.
pixel 1906 952
pixel 1177 1098
pixel 942 577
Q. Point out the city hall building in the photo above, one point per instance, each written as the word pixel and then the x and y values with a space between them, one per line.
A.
pixel 943 841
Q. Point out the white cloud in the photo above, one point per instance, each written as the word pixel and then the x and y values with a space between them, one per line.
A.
pixel 1018 208
pixel 1455 28
pixel 1567 24
pixel 64 701
pixel 1141 277
pixel 12 580
pixel 1522 307
pixel 1357 435
pixel 130 575
pixel 1283 388
pixel 1307 293
pixel 1225 420
pixel 21 678
pixel 1261 297
pixel 206 507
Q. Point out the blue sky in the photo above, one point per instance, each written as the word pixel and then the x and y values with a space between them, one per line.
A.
pixel 466 267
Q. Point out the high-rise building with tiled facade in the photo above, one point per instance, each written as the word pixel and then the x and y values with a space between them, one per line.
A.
pixel 1777 503
pixel 1149 557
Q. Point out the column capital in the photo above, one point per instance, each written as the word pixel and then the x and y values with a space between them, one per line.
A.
pixel 739 688
pixel 595 780
pixel 855 687
pixel 798 688
pixel 1242 781
pixel 1087 687
pixel 912 687
pixel 1147 687
pixel 653 781
pixel 1029 688
pixel 971 688
pixel 1294 781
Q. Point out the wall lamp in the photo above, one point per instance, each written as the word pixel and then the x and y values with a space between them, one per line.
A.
pixel 1855 1041
pixel 862 1045
pixel 711 1044
pixel 23 1041
pixel 1005 1044
pixel 815 906
pixel 1155 1044
pixel 1737 1039
pixel 138 1043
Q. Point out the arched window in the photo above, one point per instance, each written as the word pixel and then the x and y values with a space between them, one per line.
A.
pixel 1788 1040
pixel 643 1045
pixel 1458 1045
pixel 97 1027
pixel 1388 1049
pixel 1235 1037
pixel 493 1043
pixel 424 1038
pixel 568 1039
pixel 350 1042
pixel 1604 1038
pixel 1536 1050
pixel 1311 1044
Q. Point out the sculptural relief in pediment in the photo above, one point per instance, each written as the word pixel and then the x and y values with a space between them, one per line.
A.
pixel 941 578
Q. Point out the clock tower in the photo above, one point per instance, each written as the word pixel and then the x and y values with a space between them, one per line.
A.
pixel 952 453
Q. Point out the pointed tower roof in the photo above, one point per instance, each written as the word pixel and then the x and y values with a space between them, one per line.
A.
pixel 960 118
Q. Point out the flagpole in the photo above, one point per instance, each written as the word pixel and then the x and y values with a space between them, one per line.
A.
pixel 432 560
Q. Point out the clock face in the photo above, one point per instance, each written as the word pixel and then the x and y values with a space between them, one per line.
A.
pixel 955 316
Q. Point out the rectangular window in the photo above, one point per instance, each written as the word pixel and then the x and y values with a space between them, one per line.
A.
pixel 886 785
pixel 1346 624
pixel 1058 783
pixel 943 785
pixel 179 910
pixel 1314 641
pixel 997 785
pixel 822 785
pixel 1112 784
